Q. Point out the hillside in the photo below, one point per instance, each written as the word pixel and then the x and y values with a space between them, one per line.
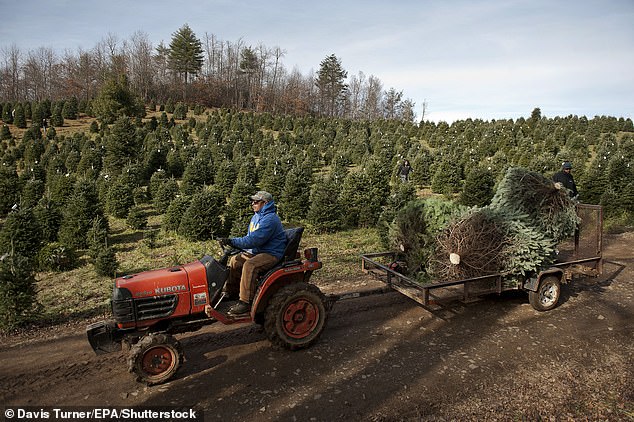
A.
pixel 334 176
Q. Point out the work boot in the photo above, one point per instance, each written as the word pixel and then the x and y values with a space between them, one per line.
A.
pixel 240 308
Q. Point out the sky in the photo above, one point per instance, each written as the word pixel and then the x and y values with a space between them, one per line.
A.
pixel 480 59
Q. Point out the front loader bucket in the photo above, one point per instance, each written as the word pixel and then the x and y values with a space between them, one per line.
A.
pixel 103 338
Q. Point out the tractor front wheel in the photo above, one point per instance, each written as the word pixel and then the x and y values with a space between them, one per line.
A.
pixel 296 316
pixel 547 294
pixel 155 358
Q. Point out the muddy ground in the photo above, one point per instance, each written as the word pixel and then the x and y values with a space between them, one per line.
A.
pixel 380 358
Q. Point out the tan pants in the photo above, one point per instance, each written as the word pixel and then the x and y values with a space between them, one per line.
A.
pixel 243 271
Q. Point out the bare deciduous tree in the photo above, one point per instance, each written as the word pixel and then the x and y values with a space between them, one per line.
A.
pixel 11 57
pixel 140 59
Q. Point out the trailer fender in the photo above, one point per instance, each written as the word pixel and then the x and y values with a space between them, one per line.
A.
pixel 533 283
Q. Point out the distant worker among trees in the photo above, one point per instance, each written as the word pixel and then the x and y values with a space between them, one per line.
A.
pixel 565 179
pixel 404 170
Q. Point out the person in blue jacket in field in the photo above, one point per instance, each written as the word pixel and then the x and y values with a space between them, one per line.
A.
pixel 264 244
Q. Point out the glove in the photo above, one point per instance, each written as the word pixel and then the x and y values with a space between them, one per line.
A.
pixel 225 241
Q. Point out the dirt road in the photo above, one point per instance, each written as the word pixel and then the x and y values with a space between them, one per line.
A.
pixel 381 358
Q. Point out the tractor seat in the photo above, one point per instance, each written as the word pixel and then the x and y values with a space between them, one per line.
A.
pixel 293 238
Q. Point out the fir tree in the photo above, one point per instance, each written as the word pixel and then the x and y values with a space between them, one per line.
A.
pixel 105 262
pixel 225 177
pixel 19 119
pixel 185 55
pixel 180 111
pixel 27 110
pixel 295 198
pixel 274 176
pixel 325 213
pixel 447 177
pixel 478 188
pixel 175 166
pixel 174 214
pixel 31 193
pixel 18 302
pixel 400 195
pixel 628 198
pixel 38 113
pixel 169 108
pixel 136 220
pixel 21 234
pixel 94 127
pixel 57 118
pixel 353 198
pixel 199 172
pixel 122 146
pixel 203 218
pixel 70 109
pixel 619 173
pixel 81 208
pixel 97 236
pixel 537 203
pixel 239 212
pixel 33 150
pixel 610 201
pixel 56 256
pixel 72 161
pixel 5 133
pixel 155 157
pixel 9 188
pixel 421 164
pixel 156 181
pixel 120 198
pixel 116 100
pixel 331 85
pixel 49 217
pixel 166 192
pixel 247 174
pixel 59 187
pixel 7 113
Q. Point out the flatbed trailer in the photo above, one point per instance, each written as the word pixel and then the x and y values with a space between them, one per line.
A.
pixel 579 256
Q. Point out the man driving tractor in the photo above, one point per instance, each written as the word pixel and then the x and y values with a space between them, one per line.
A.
pixel 263 246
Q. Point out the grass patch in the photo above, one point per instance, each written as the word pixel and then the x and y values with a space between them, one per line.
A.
pixel 340 252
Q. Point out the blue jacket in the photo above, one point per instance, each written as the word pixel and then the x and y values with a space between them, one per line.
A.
pixel 266 233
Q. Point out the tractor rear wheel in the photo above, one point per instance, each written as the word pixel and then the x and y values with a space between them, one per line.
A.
pixel 296 316
pixel 155 358
pixel 547 294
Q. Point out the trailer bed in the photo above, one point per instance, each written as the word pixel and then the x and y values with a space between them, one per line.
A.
pixel 580 255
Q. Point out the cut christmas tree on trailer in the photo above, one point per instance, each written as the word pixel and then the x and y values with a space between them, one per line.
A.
pixel 537 201
pixel 488 241
pixel 516 234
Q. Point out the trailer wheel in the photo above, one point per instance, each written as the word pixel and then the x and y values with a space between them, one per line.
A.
pixel 547 294
pixel 296 316
pixel 155 358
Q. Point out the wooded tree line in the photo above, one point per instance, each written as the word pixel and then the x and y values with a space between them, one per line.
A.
pixel 210 72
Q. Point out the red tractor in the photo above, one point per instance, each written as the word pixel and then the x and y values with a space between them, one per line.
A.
pixel 150 307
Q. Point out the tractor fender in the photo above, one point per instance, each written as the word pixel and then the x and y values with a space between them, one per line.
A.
pixel 533 283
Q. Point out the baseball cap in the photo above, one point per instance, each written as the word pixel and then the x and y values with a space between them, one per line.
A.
pixel 262 196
